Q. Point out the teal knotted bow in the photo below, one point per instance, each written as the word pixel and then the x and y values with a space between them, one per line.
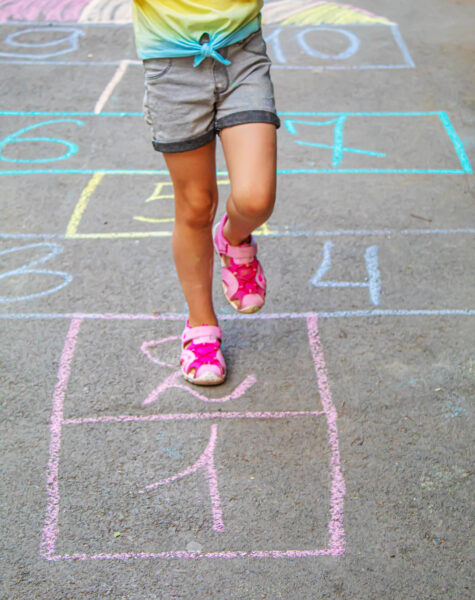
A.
pixel 207 50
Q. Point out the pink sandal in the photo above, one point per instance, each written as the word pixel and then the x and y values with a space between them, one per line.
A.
pixel 244 283
pixel 201 359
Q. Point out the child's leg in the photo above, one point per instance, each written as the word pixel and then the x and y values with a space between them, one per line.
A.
pixel 196 196
pixel 250 152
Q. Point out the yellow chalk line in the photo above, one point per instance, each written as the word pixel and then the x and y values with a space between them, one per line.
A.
pixel 263 230
pixel 117 235
pixel 71 229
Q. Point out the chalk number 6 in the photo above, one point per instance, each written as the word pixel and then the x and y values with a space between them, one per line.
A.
pixel 15 138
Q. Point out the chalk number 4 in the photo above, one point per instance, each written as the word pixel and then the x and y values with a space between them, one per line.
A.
pixel 373 281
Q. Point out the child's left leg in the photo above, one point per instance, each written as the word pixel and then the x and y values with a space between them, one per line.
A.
pixel 250 152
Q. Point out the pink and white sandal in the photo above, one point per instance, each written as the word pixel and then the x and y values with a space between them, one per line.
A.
pixel 201 359
pixel 243 280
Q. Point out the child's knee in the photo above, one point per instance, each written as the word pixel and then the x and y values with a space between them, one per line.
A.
pixel 196 207
pixel 254 202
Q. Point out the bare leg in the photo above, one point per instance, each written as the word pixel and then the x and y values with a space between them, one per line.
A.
pixel 196 197
pixel 250 152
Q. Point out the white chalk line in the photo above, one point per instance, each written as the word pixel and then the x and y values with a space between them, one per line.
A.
pixel 110 87
pixel 444 312
pixel 285 233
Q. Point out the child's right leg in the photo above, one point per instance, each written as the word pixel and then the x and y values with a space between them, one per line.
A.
pixel 196 197
pixel 193 175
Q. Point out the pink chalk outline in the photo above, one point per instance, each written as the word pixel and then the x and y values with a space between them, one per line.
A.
pixel 335 526
pixel 50 530
pixel 172 380
pixel 196 416
pixel 56 10
pixel 206 462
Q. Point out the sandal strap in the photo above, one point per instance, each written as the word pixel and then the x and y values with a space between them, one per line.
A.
pixel 192 333
pixel 247 251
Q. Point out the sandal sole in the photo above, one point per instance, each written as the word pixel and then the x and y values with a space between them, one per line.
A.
pixel 246 311
pixel 203 381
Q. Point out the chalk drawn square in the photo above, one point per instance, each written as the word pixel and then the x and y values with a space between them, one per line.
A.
pixel 220 484
pixel 64 44
pixel 333 47
pixel 273 479
pixel 112 204
pixel 132 380
pixel 372 142
pixel 120 206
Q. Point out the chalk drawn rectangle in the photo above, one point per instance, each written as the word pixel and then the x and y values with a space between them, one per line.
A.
pixel 94 493
pixel 359 47
pixel 351 142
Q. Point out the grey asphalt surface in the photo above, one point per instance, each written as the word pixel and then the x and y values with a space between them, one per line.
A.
pixel 78 379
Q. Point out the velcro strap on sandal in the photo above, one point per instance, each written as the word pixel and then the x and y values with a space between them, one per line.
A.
pixel 204 331
pixel 248 251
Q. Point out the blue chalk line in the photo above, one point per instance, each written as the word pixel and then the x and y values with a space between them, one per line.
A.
pixel 362 232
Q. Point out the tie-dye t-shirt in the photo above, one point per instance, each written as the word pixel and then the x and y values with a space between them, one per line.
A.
pixel 170 28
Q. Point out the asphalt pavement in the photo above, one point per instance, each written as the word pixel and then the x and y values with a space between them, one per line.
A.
pixel 335 462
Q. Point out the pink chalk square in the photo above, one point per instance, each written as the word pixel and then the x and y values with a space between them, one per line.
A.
pixel 131 368
pixel 272 478
pixel 200 482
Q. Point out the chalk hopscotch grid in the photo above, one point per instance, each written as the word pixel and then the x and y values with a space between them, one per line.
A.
pixel 441 115
pixel 335 528
pixel 317 353
pixel 337 492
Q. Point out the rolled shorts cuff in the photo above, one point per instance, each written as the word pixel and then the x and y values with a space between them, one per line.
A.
pixel 185 145
pixel 247 116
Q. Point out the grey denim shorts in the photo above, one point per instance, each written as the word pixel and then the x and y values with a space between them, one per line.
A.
pixel 187 106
